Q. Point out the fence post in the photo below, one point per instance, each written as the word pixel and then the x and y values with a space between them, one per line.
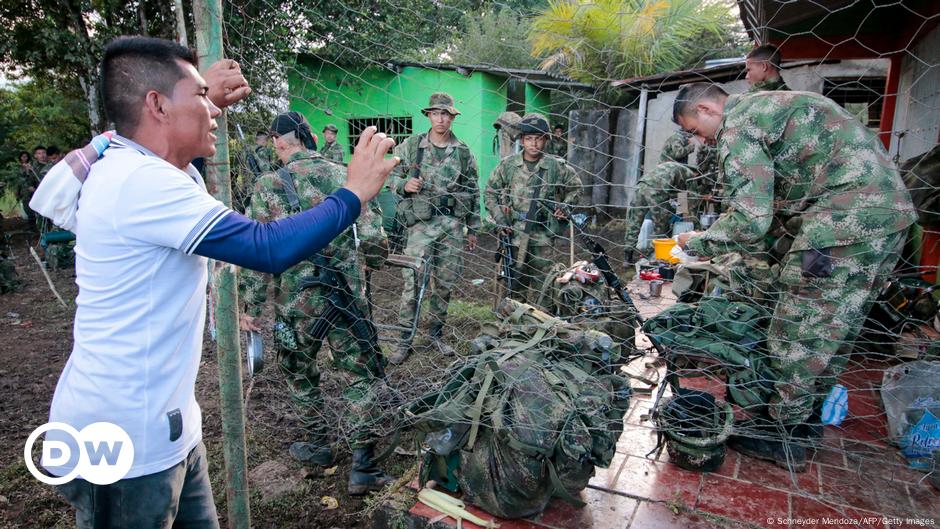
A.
pixel 208 17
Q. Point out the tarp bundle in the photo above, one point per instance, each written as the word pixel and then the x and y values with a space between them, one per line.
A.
pixel 528 417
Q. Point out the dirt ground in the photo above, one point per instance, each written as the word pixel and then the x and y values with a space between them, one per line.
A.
pixel 36 338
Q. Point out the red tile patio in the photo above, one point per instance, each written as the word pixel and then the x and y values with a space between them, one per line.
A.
pixel 857 480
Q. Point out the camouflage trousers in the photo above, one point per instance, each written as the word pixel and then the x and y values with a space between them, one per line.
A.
pixel 8 279
pixel 531 275
pixel 440 241
pixel 816 319
pixel 356 421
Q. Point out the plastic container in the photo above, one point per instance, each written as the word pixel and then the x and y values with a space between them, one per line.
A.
pixel 661 249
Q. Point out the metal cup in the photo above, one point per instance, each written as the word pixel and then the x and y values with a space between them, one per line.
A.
pixel 656 288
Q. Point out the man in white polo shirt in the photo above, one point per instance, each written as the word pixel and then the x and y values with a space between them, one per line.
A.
pixel 145 227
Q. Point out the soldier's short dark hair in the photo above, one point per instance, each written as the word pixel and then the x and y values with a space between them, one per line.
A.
pixel 691 94
pixel 52 150
pixel 767 53
pixel 36 148
pixel 133 66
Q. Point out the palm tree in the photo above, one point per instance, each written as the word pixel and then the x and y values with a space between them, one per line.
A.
pixel 601 40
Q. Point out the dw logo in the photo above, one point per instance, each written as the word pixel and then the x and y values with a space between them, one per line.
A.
pixel 101 453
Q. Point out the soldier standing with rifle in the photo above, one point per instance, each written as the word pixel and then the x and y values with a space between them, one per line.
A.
pixel 320 299
pixel 527 196
pixel 437 180
pixel 331 150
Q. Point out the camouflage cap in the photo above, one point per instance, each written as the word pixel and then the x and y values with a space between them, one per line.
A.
pixel 441 101
pixel 330 128
pixel 534 123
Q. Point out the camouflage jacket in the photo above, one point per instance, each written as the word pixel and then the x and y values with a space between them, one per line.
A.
pixel 332 152
pixel 315 179
pixel 769 84
pixel 512 185
pixel 557 147
pixel 455 174
pixel 801 160
pixel 265 157
pixel 654 193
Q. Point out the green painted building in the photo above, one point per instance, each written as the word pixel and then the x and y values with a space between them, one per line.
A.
pixel 391 96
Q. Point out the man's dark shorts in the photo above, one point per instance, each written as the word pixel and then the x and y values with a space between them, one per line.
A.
pixel 179 497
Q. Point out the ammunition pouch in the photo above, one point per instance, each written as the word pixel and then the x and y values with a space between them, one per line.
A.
pixel 421 208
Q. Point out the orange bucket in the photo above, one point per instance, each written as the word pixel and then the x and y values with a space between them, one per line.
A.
pixel 661 249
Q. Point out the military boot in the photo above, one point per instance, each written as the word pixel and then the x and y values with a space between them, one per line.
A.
pixel 312 453
pixel 403 351
pixel 365 476
pixel 770 441
pixel 437 341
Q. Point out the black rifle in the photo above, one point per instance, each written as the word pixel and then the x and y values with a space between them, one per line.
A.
pixel 505 255
pixel 342 307
pixel 599 257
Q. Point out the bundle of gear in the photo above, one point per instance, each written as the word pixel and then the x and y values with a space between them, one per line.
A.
pixel 717 333
pixel 579 293
pixel 527 417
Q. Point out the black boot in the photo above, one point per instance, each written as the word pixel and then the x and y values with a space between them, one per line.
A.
pixel 437 341
pixel 365 476
pixel 776 443
pixel 311 453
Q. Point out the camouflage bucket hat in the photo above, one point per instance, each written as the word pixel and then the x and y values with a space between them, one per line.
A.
pixel 441 101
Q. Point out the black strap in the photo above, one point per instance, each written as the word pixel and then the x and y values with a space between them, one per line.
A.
pixel 535 201
pixel 289 189
pixel 419 157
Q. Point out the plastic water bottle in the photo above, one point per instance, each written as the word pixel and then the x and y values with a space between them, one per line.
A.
pixel 646 234
pixel 836 406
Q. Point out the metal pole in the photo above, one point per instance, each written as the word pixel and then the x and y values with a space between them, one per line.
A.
pixel 208 17
pixel 641 129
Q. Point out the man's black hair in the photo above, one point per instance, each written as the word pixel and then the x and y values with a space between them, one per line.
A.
pixel 52 150
pixel 767 53
pixel 133 66
pixel 36 148
pixel 262 133
pixel 691 94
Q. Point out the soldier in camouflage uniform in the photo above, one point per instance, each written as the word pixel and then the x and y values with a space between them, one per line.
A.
pixel 800 169
pixel 763 69
pixel 557 144
pixel 331 150
pixel 515 182
pixel 437 180
pixel 297 309
pixel 656 189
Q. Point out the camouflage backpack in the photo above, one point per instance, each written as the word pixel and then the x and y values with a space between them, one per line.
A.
pixel 579 293
pixel 527 418
pixel 716 330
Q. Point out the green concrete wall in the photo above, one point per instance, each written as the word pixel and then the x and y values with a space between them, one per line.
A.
pixel 538 100
pixel 326 93
pixel 330 94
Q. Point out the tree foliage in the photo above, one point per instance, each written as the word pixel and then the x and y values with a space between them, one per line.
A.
pixel 603 40
pixel 492 37
pixel 62 40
